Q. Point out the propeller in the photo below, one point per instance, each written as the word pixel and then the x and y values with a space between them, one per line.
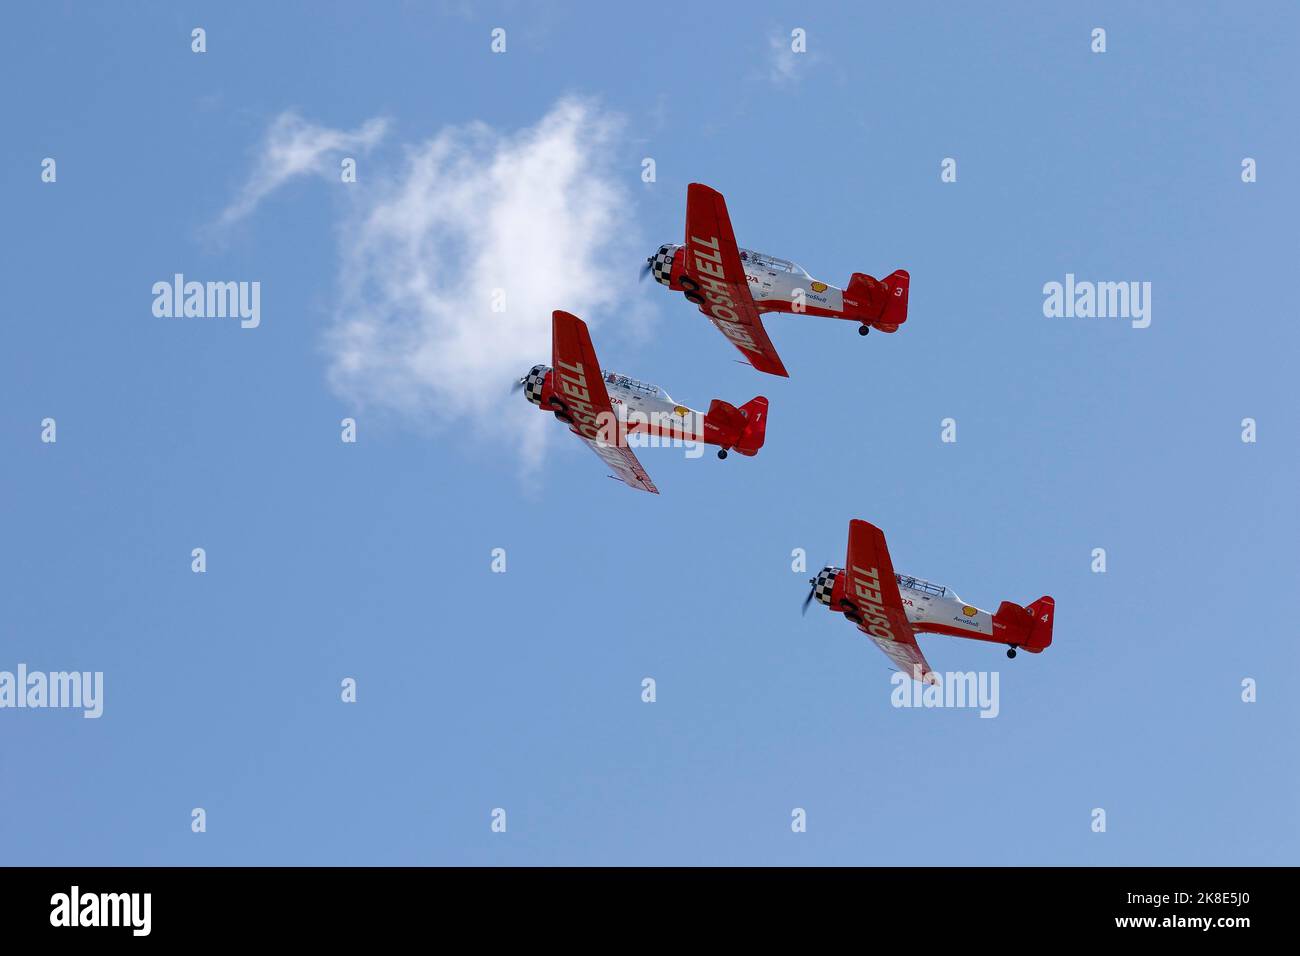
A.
pixel 519 385
pixel 812 592
pixel 646 269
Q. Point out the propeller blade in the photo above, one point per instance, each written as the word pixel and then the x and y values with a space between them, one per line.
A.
pixel 812 592
pixel 645 270
pixel 519 385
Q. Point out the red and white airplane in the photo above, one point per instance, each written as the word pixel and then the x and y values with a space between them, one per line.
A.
pixel 734 286
pixel 604 408
pixel 892 609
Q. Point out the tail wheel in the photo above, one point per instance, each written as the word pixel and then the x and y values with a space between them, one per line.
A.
pixel 689 284
pixel 1011 652
pixel 864 329
pixel 695 297
pixel 722 453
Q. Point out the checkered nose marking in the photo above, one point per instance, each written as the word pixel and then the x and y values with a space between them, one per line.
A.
pixel 661 264
pixel 825 584
pixel 534 381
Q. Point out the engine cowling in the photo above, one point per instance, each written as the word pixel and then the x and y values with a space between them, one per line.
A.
pixel 824 585
pixel 535 383
pixel 661 264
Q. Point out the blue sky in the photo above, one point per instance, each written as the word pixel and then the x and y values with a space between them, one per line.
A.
pixel 522 690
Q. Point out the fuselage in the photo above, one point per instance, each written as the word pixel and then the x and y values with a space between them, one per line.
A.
pixel 779 285
pixel 938 609
pixel 641 407
pixel 775 284
pixel 650 410
pixel 930 608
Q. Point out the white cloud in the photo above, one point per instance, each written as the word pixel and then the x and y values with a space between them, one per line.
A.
pixel 425 243
pixel 784 65
pixel 294 146
pixel 782 59
pixel 535 213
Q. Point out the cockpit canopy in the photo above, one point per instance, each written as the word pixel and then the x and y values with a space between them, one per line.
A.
pixel 764 261
pixel 629 384
pixel 917 584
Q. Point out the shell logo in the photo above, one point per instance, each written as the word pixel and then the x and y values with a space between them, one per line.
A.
pixel 681 410
pixel 819 286
pixel 969 611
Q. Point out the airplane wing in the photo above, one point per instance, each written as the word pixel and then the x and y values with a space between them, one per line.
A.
pixel 874 589
pixel 579 386
pixel 713 263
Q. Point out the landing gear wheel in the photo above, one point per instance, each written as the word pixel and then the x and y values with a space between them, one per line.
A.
pixel 690 285
pixel 722 453
pixel 1011 652
pixel 561 411
pixel 695 297
pixel 850 610
pixel 864 329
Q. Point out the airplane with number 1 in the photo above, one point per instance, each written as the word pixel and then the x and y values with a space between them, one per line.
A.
pixel 891 609
pixel 733 287
pixel 605 408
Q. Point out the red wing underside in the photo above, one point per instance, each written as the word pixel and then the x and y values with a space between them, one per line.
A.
pixel 712 261
pixel 577 383
pixel 871 585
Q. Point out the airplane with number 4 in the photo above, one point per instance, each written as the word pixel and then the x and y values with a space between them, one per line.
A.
pixel 734 286
pixel 892 609
pixel 605 408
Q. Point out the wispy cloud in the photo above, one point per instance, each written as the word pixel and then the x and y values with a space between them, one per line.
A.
pixel 535 216
pixel 453 257
pixel 293 147
pixel 781 58
pixel 785 66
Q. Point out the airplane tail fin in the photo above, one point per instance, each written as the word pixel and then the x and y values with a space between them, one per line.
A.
pixel 1043 612
pixel 742 428
pixel 884 300
pixel 754 431
pixel 1029 628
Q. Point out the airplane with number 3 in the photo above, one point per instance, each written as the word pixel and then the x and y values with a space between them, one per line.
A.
pixel 892 609
pixel 605 409
pixel 734 286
